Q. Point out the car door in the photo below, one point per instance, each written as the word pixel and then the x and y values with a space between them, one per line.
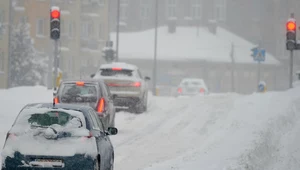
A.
pixel 103 142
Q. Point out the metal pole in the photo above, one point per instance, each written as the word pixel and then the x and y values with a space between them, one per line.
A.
pixel 232 68
pixel 155 50
pixel 258 73
pixel 118 31
pixel 10 27
pixel 291 69
pixel 56 64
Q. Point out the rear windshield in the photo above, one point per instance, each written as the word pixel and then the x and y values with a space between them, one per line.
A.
pixel 116 73
pixel 192 83
pixel 72 93
pixel 49 118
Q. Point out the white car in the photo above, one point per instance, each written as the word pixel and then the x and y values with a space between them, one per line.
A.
pixel 192 86
pixel 127 84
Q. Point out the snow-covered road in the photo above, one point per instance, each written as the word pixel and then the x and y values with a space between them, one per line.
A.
pixel 215 132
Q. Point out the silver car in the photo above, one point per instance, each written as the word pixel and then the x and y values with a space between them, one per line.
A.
pixel 127 84
pixel 192 86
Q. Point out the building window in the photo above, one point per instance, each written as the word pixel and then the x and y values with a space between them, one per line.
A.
pixel 87 29
pixel 101 31
pixel 40 27
pixel 123 10
pixel 145 9
pixel 171 8
pixel 101 2
pixel 1 23
pixel 2 61
pixel 196 9
pixel 220 10
pixel 70 29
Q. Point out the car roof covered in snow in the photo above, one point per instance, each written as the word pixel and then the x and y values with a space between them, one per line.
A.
pixel 119 65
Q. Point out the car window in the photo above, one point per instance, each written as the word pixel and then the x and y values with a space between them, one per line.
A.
pixel 140 74
pixel 104 90
pixel 72 93
pixel 97 120
pixel 108 90
pixel 95 125
pixel 116 73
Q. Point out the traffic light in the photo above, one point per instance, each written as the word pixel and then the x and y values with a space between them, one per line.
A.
pixel 55 23
pixel 291 38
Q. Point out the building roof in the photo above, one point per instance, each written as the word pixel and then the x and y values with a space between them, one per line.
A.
pixel 186 45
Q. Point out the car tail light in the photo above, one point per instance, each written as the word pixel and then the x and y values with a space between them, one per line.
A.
pixel 11 135
pixel 101 106
pixel 136 84
pixel 179 90
pixel 56 100
pixel 87 137
pixel 116 69
pixel 79 83
pixel 202 90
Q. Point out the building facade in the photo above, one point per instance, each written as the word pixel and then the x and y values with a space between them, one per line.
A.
pixel 4 29
pixel 84 32
pixel 137 15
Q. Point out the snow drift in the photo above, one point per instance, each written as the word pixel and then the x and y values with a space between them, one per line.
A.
pixel 260 132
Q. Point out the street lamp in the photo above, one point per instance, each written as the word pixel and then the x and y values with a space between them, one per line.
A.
pixel 155 50
pixel 118 31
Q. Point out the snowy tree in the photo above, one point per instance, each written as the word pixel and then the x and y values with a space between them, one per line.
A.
pixel 27 67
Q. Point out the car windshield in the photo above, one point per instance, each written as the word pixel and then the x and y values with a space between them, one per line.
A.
pixel 116 73
pixel 72 93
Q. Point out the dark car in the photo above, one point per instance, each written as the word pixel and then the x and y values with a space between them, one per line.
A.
pixel 61 136
pixel 94 93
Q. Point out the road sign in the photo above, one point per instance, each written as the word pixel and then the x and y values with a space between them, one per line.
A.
pixel 258 54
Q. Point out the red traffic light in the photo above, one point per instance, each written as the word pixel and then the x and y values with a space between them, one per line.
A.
pixel 291 25
pixel 55 14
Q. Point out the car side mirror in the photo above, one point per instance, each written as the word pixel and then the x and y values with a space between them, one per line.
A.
pixel 147 78
pixel 92 75
pixel 112 130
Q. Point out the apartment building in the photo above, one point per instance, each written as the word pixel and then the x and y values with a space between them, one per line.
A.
pixel 4 17
pixel 136 15
pixel 84 32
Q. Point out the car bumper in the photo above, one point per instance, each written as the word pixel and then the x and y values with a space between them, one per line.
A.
pixel 125 102
pixel 127 94
pixel 21 162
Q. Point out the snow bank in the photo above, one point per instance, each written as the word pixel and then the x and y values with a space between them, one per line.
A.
pixel 260 132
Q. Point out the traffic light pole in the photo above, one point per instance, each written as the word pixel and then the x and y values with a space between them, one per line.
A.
pixel 56 64
pixel 155 50
pixel 291 69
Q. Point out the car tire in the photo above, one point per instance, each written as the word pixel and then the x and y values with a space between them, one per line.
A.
pixel 112 163
pixel 96 165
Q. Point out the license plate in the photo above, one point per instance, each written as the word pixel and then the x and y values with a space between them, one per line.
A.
pixel 48 160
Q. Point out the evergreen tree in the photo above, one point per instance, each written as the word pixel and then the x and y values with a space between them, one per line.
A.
pixel 27 68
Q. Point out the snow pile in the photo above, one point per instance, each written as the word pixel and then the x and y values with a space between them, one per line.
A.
pixel 261 131
pixel 186 45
